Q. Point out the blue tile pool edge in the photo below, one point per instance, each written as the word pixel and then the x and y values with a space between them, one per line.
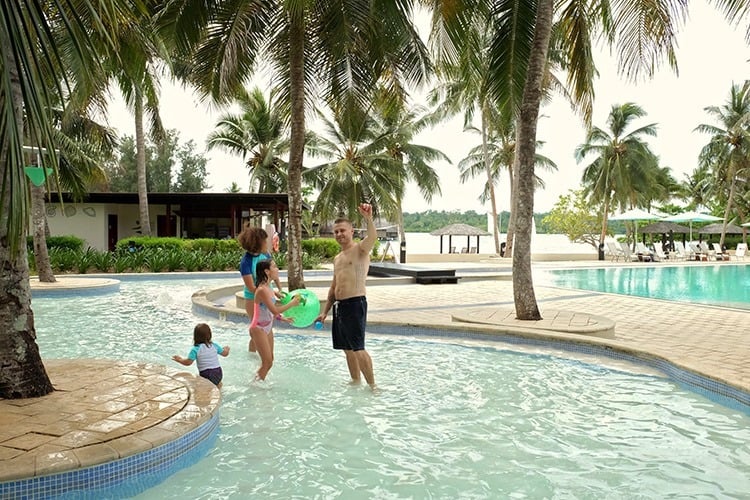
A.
pixel 716 390
pixel 121 478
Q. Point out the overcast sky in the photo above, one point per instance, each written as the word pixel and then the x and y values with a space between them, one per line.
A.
pixel 711 56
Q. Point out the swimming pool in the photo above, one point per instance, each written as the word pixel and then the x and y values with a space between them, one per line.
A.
pixel 453 417
pixel 717 285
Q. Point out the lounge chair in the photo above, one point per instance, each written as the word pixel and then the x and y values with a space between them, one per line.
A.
pixel 697 252
pixel 659 253
pixel 643 253
pixel 719 253
pixel 473 250
pixel 740 252
pixel 614 252
pixel 464 249
pixel 627 254
pixel 707 251
pixel 453 250
pixel 679 251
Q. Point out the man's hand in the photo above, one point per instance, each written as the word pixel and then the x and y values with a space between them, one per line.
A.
pixel 365 209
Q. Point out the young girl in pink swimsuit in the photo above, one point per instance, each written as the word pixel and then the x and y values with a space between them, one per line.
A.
pixel 265 311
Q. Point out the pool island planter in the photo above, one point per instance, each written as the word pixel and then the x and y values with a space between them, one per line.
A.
pixel 131 426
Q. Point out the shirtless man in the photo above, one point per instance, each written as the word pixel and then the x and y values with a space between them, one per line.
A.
pixel 347 295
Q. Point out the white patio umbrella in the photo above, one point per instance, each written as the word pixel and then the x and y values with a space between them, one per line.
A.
pixel 636 214
pixel 691 217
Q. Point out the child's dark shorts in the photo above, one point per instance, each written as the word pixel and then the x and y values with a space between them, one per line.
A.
pixel 213 374
pixel 349 319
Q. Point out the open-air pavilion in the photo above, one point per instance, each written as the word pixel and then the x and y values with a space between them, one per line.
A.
pixel 460 230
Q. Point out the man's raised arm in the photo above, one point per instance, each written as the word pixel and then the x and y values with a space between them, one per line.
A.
pixel 365 209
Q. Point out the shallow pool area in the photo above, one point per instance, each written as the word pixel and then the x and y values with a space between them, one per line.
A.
pixel 721 284
pixel 453 417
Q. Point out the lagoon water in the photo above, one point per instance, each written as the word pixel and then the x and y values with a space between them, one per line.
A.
pixel 425 243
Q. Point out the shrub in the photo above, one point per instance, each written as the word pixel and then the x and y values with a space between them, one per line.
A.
pixel 156 259
pixel 84 260
pixel 68 242
pixel 62 260
pixel 102 261
pixel 144 242
pixel 324 248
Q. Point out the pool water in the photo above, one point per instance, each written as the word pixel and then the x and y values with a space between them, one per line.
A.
pixel 718 285
pixel 451 419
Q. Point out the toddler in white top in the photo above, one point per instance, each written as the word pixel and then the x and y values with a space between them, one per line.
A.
pixel 206 353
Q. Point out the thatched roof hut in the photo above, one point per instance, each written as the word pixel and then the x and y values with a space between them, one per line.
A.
pixel 452 230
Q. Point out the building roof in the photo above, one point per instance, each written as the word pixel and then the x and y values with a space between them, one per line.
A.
pixel 459 230
pixel 195 204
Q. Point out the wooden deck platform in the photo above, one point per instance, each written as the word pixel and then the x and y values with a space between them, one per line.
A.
pixel 421 275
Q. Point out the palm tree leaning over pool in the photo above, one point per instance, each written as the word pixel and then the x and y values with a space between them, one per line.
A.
pixel 26 27
pixel 727 154
pixel 340 50
pixel 467 86
pixel 621 160
pixel 259 133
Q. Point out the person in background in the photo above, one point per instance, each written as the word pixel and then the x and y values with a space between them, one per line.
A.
pixel 206 352
pixel 347 295
pixel 254 240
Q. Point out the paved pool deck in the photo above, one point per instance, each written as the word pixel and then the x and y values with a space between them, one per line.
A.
pixel 104 410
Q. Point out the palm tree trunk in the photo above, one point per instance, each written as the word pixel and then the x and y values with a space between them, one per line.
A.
pixel 510 231
pixel 490 182
pixel 605 221
pixel 401 232
pixel 22 374
pixel 140 165
pixel 296 149
pixel 728 209
pixel 38 223
pixel 523 286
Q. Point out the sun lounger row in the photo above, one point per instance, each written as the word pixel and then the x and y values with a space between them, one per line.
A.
pixel 694 251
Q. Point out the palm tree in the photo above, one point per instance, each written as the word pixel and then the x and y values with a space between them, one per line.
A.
pixel 59 35
pixel 83 145
pixel 259 134
pixel 135 68
pixel 727 154
pixel 500 147
pixel 359 166
pixel 340 50
pixel 642 34
pixel 399 125
pixel 621 160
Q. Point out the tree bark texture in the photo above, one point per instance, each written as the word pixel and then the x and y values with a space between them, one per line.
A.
pixel 296 150
pixel 22 374
pixel 39 225
pixel 490 183
pixel 523 286
pixel 140 165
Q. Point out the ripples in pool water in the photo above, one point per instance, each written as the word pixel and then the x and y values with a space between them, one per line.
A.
pixel 450 420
